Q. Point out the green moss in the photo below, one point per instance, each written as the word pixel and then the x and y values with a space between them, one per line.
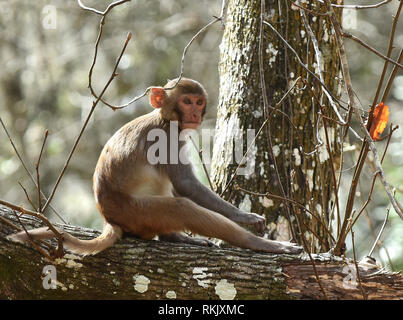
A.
pixel 7 270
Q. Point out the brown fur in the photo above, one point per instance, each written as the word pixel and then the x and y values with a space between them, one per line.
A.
pixel 147 200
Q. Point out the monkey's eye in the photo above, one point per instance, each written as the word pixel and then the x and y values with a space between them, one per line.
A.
pixel 200 102
pixel 187 101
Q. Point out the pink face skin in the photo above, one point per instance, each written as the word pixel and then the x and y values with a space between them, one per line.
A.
pixel 192 107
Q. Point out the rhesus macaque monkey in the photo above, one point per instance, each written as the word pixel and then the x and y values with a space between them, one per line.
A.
pixel 146 200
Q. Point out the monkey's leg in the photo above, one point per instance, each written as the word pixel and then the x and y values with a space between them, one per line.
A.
pixel 178 237
pixel 155 215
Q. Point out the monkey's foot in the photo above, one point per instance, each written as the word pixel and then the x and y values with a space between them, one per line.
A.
pixel 181 238
pixel 286 247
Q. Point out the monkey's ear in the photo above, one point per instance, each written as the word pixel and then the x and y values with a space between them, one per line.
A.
pixel 157 97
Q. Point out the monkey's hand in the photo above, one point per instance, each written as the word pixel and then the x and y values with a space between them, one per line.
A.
pixel 253 219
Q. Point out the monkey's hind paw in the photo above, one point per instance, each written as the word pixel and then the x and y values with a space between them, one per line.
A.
pixel 291 248
pixel 202 242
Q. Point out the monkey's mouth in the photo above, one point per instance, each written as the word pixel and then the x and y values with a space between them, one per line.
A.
pixel 190 125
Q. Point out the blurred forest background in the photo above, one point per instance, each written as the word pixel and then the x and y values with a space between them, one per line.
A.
pixel 44 79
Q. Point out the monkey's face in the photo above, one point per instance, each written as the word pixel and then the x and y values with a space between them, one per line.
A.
pixel 191 108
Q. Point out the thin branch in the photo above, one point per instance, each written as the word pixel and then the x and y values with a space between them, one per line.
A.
pixel 329 151
pixel 385 66
pixel 315 13
pixel 357 6
pixel 216 19
pixel 312 260
pixel 374 178
pixel 41 217
pixel 223 13
pixel 391 130
pixel 26 169
pixel 102 13
pixel 392 77
pixel 38 248
pixel 95 103
pixel 318 56
pixel 203 29
pixel 258 134
pixel 364 295
pixel 371 229
pixel 269 195
pixel 351 96
pixel 268 117
pixel 37 171
pixel 380 232
pixel 27 196
pixel 367 46
pixel 12 225
pixel 300 61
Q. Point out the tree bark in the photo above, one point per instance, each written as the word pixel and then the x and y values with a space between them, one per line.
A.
pixel 290 158
pixel 135 269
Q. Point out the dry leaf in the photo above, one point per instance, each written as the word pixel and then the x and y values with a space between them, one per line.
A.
pixel 381 118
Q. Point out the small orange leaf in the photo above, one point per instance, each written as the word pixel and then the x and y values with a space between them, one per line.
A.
pixel 381 118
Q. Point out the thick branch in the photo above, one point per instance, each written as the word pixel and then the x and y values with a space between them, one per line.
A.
pixel 135 269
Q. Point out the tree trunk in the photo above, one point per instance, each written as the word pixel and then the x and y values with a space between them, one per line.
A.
pixel 289 158
pixel 135 269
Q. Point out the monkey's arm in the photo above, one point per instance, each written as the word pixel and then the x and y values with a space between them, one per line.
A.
pixel 187 185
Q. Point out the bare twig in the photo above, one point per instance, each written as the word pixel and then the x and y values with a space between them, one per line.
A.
pixel 12 225
pixel 187 47
pixel 385 66
pixel 358 7
pixel 392 129
pixel 223 13
pixel 258 134
pixel 318 56
pixel 102 13
pixel 302 206
pixel 95 103
pixel 380 232
pixel 392 77
pixel 146 91
pixel 329 151
pixel 351 96
pixel 307 249
pixel 27 196
pixel 367 46
pixel 300 61
pixel 315 13
pixel 37 172
pixel 41 217
pixel 26 169
pixel 94 60
pixel 268 117
pixel 364 295
pixel 38 248
pixel 312 260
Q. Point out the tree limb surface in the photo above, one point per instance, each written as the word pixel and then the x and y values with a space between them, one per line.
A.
pixel 137 269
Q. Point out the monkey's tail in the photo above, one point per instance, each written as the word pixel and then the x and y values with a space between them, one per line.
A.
pixel 106 239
